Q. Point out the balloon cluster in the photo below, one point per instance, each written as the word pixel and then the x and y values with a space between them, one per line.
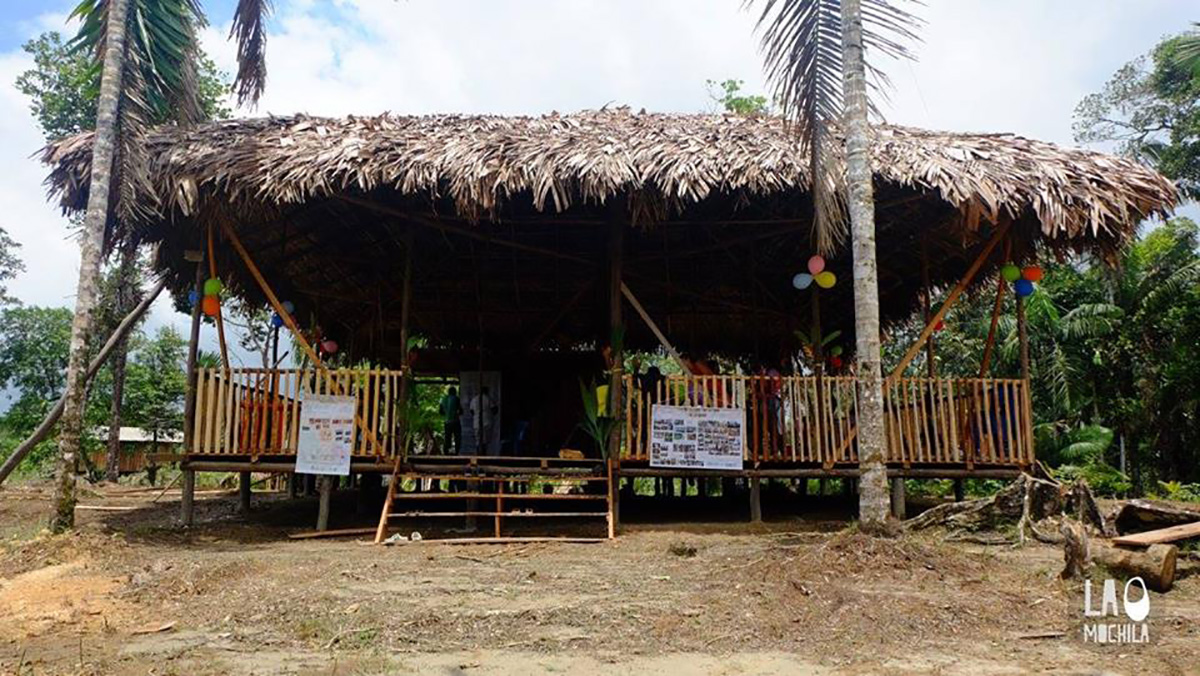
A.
pixel 816 273
pixel 211 305
pixel 835 357
pixel 276 320
pixel 1022 279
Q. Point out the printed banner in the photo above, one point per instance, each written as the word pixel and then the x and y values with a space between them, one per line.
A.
pixel 697 437
pixel 326 431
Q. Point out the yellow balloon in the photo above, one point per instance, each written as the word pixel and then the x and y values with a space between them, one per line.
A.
pixel 825 280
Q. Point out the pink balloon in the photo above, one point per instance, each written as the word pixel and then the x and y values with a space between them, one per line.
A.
pixel 815 265
pixel 329 346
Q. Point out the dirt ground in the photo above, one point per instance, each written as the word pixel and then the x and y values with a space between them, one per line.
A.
pixel 130 593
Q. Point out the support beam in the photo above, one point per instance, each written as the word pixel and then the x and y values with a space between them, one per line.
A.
pixel 1023 338
pixel 290 322
pixel 989 345
pixel 957 291
pixel 662 338
pixel 617 218
pixel 187 499
pixel 189 401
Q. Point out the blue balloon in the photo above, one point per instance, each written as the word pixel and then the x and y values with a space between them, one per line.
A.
pixel 802 281
pixel 193 298
pixel 1023 287
pixel 276 321
pixel 288 307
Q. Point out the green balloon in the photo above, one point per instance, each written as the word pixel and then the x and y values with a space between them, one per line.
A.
pixel 1010 272
pixel 836 350
pixel 212 287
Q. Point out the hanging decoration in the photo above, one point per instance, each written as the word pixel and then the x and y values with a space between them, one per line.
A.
pixel 329 346
pixel 211 306
pixel 1033 273
pixel 288 307
pixel 815 265
pixel 825 279
pixel 193 298
pixel 212 287
pixel 1022 279
pixel 276 321
pixel 802 281
pixel 1023 287
pixel 1010 272
pixel 816 273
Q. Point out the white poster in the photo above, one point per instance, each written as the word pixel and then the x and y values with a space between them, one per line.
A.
pixel 326 431
pixel 697 437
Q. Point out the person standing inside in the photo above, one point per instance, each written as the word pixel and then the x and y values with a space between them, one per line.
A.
pixel 451 410
pixel 483 418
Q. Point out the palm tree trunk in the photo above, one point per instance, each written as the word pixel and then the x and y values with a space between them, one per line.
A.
pixel 127 297
pixel 90 245
pixel 872 486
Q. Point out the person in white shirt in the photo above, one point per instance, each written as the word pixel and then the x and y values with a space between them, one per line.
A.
pixel 483 419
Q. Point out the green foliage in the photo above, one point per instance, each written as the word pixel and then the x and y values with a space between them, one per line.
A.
pixel 64 84
pixel 598 427
pixel 33 350
pixel 1178 491
pixel 10 265
pixel 155 383
pixel 1151 108
pixel 728 94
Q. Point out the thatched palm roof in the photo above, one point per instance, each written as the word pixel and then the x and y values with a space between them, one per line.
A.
pixel 533 179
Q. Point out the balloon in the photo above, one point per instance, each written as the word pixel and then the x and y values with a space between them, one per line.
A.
pixel 815 265
pixel 212 287
pixel 1010 272
pixel 193 298
pixel 802 281
pixel 211 306
pixel 941 325
pixel 825 280
pixel 288 307
pixel 836 350
pixel 1033 273
pixel 835 362
pixel 329 346
pixel 276 321
pixel 1023 287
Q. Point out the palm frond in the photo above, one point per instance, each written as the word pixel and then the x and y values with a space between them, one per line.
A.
pixel 802 49
pixel 1090 320
pixel 1180 280
pixel 1187 54
pixel 249 29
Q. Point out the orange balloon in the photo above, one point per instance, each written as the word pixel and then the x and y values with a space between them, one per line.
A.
pixel 1033 273
pixel 211 306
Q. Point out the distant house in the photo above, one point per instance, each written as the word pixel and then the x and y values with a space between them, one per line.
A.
pixel 139 449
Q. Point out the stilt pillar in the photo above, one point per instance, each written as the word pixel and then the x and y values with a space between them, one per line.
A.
pixel 755 499
pixel 243 493
pixel 187 502
pixel 325 486
pixel 898 498
pixel 960 492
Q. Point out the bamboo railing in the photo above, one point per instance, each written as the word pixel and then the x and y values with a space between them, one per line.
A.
pixel 255 412
pixel 813 420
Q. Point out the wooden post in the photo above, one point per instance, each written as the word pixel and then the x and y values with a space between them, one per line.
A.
pixel 243 493
pixel 405 313
pixel 989 345
pixel 1023 337
pixel 187 501
pixel 898 498
pixel 616 246
pixel 212 273
pixel 957 291
pixel 325 486
pixel 755 499
pixel 662 338
pixel 930 362
pixel 960 490
pixel 189 401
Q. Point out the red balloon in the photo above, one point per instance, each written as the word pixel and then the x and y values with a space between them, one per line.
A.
pixel 329 346
pixel 835 362
pixel 211 306
pixel 939 326
pixel 1033 273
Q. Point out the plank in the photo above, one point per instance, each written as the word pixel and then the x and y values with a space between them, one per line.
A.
pixel 1154 537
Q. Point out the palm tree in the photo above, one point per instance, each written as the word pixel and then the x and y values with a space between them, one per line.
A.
pixel 141 79
pixel 812 46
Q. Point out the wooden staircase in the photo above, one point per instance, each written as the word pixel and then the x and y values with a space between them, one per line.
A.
pixel 501 489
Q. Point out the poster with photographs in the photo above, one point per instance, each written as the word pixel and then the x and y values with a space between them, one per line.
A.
pixel 697 437
pixel 326 431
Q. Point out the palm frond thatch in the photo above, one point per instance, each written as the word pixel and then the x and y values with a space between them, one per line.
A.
pixel 556 161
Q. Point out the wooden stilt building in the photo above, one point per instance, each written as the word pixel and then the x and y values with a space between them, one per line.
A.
pixel 427 247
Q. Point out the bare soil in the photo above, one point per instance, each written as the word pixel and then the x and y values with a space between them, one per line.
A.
pixel 130 593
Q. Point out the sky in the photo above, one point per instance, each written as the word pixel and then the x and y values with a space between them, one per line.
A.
pixel 1017 66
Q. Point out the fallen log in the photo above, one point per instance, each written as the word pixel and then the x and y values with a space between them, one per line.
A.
pixel 1160 536
pixel 1026 499
pixel 1136 516
pixel 1156 565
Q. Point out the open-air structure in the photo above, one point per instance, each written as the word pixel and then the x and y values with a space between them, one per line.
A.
pixel 518 251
